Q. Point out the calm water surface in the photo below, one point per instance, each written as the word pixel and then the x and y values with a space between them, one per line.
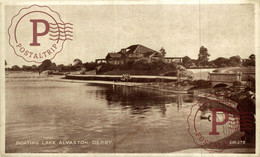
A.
pixel 129 119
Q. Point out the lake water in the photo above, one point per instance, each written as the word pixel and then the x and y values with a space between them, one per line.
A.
pixel 99 118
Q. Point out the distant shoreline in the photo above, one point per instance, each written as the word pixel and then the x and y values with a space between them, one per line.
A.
pixel 169 86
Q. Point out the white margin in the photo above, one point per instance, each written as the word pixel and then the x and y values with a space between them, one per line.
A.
pixel 119 2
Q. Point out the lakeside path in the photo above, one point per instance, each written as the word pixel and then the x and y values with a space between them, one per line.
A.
pixel 132 78
pixel 129 84
pixel 145 86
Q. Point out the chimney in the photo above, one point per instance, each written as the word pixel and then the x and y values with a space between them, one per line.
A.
pixel 123 51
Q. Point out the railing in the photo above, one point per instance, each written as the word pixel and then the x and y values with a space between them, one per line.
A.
pixel 225 77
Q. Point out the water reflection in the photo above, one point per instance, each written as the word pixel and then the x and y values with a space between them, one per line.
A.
pixel 48 110
pixel 179 101
pixel 141 101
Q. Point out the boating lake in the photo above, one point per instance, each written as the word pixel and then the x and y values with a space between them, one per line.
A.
pixel 82 117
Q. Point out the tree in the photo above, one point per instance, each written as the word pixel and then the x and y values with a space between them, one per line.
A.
pixel 141 64
pixel 187 61
pixel 34 67
pixel 252 59
pixel 92 65
pixel 163 52
pixel 235 61
pixel 212 65
pixel 46 65
pixel 77 64
pixel 223 65
pixel 16 68
pixel 60 67
pixel 53 66
pixel 203 56
pixel 26 68
pixel 221 62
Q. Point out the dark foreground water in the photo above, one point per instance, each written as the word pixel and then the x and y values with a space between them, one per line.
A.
pixel 50 116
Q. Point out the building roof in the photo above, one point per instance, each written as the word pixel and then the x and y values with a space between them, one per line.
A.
pixel 138 49
pixel 147 54
pixel 131 50
pixel 113 55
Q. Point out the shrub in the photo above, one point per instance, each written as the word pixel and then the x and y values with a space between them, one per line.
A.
pixel 126 66
pixel 107 67
pixel 90 66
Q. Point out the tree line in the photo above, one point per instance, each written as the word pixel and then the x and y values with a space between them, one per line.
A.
pixel 49 65
pixel 220 62
pixel 187 62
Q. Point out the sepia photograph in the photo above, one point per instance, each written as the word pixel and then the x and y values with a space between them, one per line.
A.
pixel 124 77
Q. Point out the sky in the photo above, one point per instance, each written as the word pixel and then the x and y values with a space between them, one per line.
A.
pixel 224 29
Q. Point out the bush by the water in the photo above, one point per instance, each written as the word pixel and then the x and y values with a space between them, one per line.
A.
pixel 106 67
pixel 138 67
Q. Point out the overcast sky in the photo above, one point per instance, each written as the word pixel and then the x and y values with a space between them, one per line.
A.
pixel 226 30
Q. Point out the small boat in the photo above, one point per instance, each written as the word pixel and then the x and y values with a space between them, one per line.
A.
pixel 205 117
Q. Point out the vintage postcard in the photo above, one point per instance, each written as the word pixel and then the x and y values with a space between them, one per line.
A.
pixel 138 78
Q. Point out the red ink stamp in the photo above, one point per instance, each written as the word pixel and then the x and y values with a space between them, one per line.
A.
pixel 37 33
pixel 214 123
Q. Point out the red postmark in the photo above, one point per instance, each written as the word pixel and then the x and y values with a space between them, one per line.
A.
pixel 214 123
pixel 37 33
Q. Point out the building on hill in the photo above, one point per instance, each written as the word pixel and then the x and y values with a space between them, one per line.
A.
pixel 115 58
pixel 134 53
